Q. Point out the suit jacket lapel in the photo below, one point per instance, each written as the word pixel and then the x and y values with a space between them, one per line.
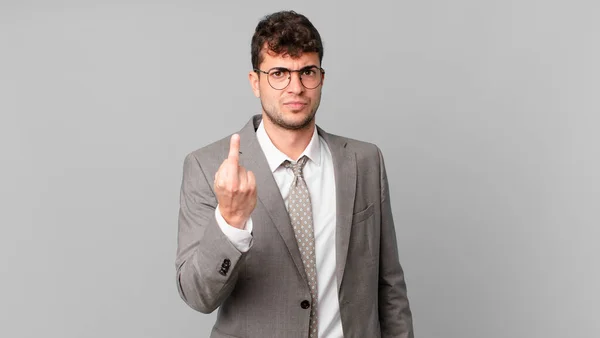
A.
pixel 269 196
pixel 344 167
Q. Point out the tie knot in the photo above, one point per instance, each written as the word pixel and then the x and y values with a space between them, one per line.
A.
pixel 296 167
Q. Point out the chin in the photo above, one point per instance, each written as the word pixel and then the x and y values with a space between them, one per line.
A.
pixel 296 115
pixel 294 120
pixel 303 121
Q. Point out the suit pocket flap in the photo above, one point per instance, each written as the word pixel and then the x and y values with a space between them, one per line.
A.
pixel 363 215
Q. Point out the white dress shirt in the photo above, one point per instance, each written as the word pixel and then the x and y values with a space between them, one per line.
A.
pixel 319 176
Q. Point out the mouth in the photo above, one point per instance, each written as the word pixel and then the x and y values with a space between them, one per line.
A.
pixel 295 105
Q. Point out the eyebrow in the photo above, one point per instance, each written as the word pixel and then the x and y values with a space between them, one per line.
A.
pixel 305 67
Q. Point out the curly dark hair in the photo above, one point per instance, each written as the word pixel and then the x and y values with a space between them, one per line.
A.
pixel 285 32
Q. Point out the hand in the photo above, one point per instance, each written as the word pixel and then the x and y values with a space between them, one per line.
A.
pixel 235 188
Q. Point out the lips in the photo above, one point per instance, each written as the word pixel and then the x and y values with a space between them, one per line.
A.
pixel 295 104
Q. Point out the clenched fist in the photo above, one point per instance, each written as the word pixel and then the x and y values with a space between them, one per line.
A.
pixel 235 188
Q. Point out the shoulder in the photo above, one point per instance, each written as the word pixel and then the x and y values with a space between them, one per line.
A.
pixel 362 149
pixel 210 156
pixel 367 155
pixel 215 149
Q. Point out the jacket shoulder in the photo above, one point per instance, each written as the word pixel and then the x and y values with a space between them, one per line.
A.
pixel 209 157
pixel 214 150
pixel 361 148
pixel 218 150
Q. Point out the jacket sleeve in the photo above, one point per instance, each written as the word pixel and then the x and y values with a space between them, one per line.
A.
pixel 395 316
pixel 207 263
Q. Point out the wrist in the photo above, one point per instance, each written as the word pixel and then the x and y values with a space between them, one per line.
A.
pixel 235 220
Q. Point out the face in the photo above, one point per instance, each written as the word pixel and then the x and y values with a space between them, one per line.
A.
pixel 294 107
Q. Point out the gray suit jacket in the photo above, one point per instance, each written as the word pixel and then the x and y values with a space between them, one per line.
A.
pixel 260 292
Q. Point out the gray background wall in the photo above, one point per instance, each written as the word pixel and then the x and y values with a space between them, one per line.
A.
pixel 487 113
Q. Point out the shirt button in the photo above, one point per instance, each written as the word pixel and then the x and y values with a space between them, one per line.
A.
pixel 305 304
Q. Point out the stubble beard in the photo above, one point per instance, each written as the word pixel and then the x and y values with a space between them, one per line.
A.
pixel 276 117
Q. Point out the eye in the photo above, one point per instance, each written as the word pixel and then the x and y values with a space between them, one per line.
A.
pixel 278 73
pixel 309 72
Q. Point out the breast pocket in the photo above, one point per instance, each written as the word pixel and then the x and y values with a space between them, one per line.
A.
pixel 363 235
pixel 363 215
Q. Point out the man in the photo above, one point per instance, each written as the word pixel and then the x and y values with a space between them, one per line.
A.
pixel 288 229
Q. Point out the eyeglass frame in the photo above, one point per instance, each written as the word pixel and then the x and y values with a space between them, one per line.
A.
pixel 290 78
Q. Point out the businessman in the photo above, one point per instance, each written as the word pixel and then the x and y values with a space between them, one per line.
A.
pixel 285 228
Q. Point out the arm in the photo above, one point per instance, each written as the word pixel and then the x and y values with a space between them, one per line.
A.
pixel 395 316
pixel 202 246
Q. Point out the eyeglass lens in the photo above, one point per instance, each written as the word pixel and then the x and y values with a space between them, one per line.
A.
pixel 279 78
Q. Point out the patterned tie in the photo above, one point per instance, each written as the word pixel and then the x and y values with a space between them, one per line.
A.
pixel 300 212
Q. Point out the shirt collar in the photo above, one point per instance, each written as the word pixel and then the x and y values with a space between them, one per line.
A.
pixel 275 157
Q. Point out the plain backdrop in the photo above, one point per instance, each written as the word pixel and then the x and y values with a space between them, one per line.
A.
pixel 487 113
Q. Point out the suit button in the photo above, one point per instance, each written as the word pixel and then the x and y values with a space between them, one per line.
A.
pixel 305 304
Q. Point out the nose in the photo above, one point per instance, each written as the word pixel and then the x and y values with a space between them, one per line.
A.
pixel 295 86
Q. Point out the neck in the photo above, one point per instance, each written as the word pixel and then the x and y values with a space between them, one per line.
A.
pixel 290 142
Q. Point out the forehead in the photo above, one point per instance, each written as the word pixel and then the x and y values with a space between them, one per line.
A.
pixel 272 59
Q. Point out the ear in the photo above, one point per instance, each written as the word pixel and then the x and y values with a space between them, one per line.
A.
pixel 254 83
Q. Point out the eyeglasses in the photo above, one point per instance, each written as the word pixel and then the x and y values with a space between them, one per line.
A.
pixel 279 78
